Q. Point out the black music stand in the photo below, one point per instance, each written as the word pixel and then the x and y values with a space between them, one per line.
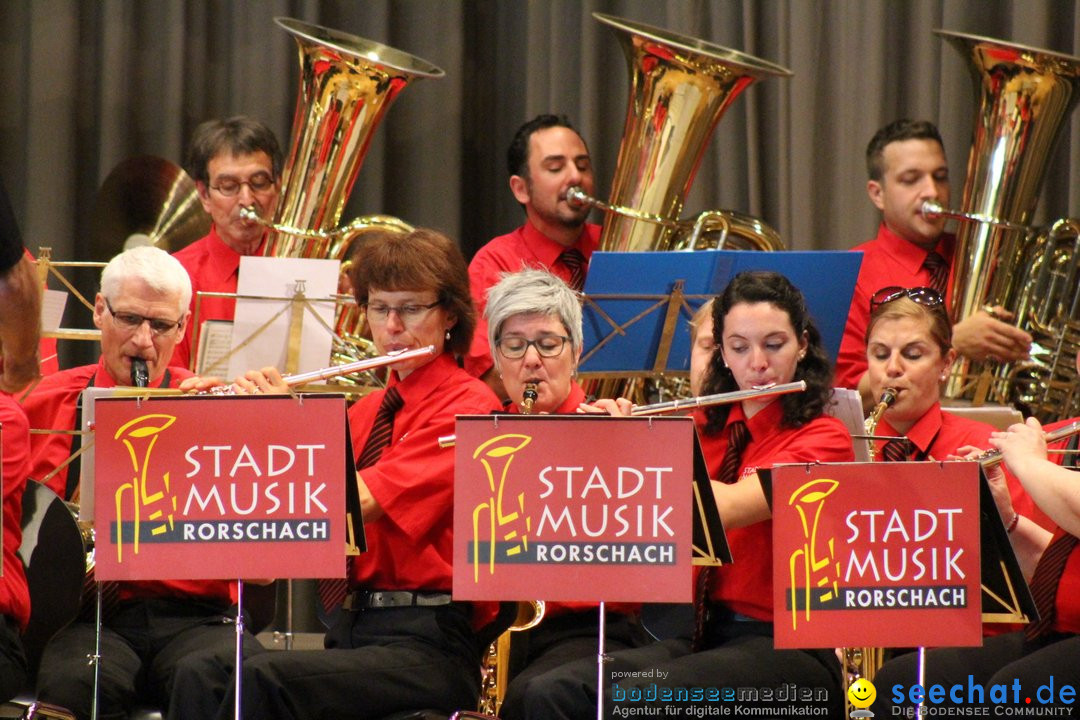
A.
pixel 638 304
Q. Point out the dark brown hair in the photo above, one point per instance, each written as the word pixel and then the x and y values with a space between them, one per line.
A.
pixel 423 259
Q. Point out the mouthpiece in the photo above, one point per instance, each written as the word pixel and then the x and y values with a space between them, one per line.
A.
pixel 140 374
pixel 248 213
pixel 577 197
pixel 931 210
pixel 528 397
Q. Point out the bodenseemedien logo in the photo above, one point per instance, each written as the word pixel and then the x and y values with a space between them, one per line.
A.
pixel 861 694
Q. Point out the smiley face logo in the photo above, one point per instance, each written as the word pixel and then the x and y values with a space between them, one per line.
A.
pixel 862 693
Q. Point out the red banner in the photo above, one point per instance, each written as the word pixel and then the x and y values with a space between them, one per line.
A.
pixel 878 554
pixel 219 487
pixel 573 508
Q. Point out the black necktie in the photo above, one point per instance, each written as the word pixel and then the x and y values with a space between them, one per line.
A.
pixel 738 438
pixel 574 260
pixel 1044 583
pixel 939 271
pixel 332 591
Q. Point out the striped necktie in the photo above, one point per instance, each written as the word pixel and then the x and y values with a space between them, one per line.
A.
pixel 1044 583
pixel 738 438
pixel 332 591
pixel 939 271
pixel 574 260
pixel 896 450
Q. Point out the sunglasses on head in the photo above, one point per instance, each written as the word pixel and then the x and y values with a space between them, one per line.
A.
pixel 926 296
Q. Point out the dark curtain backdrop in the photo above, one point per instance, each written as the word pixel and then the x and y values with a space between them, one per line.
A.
pixel 85 85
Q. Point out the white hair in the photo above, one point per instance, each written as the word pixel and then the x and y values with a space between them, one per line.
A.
pixel 157 268
pixel 533 292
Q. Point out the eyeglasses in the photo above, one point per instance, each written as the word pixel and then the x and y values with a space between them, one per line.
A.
pixel 925 296
pixel 515 347
pixel 133 321
pixel 229 187
pixel 407 314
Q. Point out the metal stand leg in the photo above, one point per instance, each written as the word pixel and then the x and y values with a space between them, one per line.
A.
pixel 922 675
pixel 601 658
pixel 239 645
pixel 95 659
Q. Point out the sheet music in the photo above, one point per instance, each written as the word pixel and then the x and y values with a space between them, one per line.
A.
pixel 215 342
pixel 52 309
pixel 847 407
pixel 262 325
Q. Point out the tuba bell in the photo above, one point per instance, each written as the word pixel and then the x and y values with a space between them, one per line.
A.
pixel 1025 96
pixel 679 89
pixel 347 84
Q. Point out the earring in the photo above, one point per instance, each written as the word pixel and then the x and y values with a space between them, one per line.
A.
pixel 448 335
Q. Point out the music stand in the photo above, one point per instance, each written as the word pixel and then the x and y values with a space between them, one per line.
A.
pixel 638 304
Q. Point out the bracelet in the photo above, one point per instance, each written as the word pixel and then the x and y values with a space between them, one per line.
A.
pixel 1012 523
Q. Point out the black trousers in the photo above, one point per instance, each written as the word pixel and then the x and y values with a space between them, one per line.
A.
pixel 1003 660
pixel 560 640
pixel 376 662
pixel 738 655
pixel 176 654
pixel 13 671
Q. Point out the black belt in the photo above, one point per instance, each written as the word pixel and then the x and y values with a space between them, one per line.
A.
pixel 363 599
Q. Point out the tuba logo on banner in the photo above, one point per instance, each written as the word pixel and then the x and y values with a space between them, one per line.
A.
pixel 148 496
pixel 820 568
pixel 507 520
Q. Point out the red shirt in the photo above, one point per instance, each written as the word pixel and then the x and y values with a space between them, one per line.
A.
pixel 213 267
pixel 888 260
pixel 939 434
pixel 14 593
pixel 51 406
pixel 745 585
pixel 410 546
pixel 525 247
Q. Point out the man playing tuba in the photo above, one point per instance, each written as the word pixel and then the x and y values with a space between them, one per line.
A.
pixel 546 158
pixel 236 163
pixel 907 167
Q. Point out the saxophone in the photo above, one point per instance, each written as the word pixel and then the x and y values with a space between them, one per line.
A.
pixel 888 397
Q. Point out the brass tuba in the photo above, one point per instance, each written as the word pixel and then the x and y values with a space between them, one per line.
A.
pixel 1025 97
pixel 680 88
pixel 347 84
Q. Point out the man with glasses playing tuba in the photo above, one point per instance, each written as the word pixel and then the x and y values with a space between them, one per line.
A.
pixel 546 158
pixel 165 642
pixel 236 163
pixel 906 164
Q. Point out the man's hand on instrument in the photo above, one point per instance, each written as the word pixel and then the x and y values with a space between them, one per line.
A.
pixel 620 407
pixel 200 384
pixel 986 335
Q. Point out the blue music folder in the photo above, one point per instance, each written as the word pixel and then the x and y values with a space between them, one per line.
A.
pixel 627 302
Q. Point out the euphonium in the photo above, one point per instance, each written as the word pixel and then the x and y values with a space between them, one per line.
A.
pixel 1025 94
pixel 347 84
pixel 680 87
